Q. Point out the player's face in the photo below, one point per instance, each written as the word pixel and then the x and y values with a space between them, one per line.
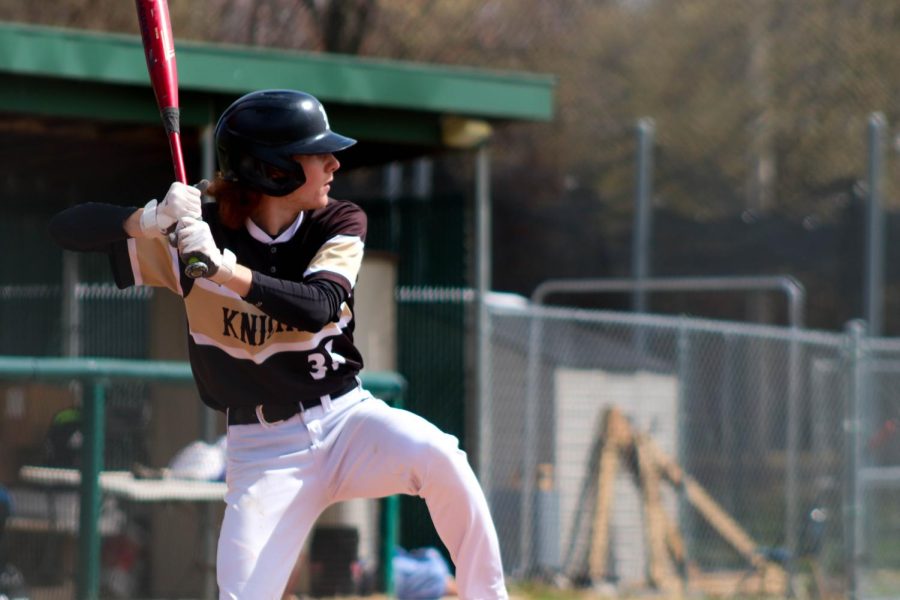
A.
pixel 319 170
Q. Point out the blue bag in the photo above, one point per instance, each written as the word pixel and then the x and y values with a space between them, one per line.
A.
pixel 420 574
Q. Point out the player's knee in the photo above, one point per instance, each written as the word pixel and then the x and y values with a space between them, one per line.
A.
pixel 444 462
pixel 443 447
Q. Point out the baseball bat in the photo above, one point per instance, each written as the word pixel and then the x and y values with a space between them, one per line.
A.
pixel 159 50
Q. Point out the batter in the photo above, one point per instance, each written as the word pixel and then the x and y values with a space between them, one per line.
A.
pixel 271 344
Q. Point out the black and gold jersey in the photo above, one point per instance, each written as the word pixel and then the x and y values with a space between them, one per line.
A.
pixel 254 350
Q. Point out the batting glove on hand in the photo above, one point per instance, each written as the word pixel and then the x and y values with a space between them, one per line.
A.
pixel 194 239
pixel 181 201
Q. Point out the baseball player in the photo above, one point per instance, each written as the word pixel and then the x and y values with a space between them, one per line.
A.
pixel 271 344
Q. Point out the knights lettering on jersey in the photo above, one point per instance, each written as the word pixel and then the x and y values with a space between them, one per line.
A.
pixel 253 329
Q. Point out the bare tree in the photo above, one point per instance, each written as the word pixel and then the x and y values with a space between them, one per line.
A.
pixel 342 25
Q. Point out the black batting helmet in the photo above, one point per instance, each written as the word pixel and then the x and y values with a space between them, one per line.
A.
pixel 260 133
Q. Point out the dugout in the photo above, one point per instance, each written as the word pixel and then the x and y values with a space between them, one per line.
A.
pixel 78 122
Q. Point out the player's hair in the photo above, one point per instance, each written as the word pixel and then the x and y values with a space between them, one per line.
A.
pixel 236 202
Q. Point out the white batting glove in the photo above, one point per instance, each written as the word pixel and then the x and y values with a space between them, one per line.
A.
pixel 194 239
pixel 181 201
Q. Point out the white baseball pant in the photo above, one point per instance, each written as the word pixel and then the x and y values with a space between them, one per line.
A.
pixel 282 476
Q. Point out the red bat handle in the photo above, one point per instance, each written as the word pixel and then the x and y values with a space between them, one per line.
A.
pixel 177 157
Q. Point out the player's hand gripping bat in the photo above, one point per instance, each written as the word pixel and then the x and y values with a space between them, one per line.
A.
pixel 159 50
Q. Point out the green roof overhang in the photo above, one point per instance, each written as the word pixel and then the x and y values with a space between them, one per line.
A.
pixel 71 73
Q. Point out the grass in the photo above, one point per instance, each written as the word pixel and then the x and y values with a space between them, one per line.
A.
pixel 547 592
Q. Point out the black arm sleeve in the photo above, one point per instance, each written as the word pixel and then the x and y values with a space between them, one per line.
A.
pixel 90 227
pixel 308 306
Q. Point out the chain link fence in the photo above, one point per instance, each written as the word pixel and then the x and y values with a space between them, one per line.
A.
pixel 875 476
pixel 162 455
pixel 670 452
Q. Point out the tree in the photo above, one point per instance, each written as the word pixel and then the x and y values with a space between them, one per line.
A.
pixel 760 106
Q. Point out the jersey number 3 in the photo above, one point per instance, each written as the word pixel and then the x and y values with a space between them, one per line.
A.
pixel 319 363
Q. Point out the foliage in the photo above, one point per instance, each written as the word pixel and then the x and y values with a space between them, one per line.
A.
pixel 760 107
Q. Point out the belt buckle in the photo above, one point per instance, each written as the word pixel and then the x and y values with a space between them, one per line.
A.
pixel 262 419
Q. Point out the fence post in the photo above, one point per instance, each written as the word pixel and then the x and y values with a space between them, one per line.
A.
pixel 643 212
pixel 483 320
pixel 853 509
pixel 529 451
pixel 874 282
pixel 389 520
pixel 683 351
pixel 94 412
pixel 792 509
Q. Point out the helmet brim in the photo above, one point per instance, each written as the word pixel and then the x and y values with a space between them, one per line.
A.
pixel 324 143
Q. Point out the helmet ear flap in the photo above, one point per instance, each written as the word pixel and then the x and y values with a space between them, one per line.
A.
pixel 296 177
pixel 267 178
pixel 247 167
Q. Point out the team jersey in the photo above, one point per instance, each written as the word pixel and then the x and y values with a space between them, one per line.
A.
pixel 240 354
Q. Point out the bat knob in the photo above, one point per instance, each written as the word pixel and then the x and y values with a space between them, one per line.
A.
pixel 195 268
